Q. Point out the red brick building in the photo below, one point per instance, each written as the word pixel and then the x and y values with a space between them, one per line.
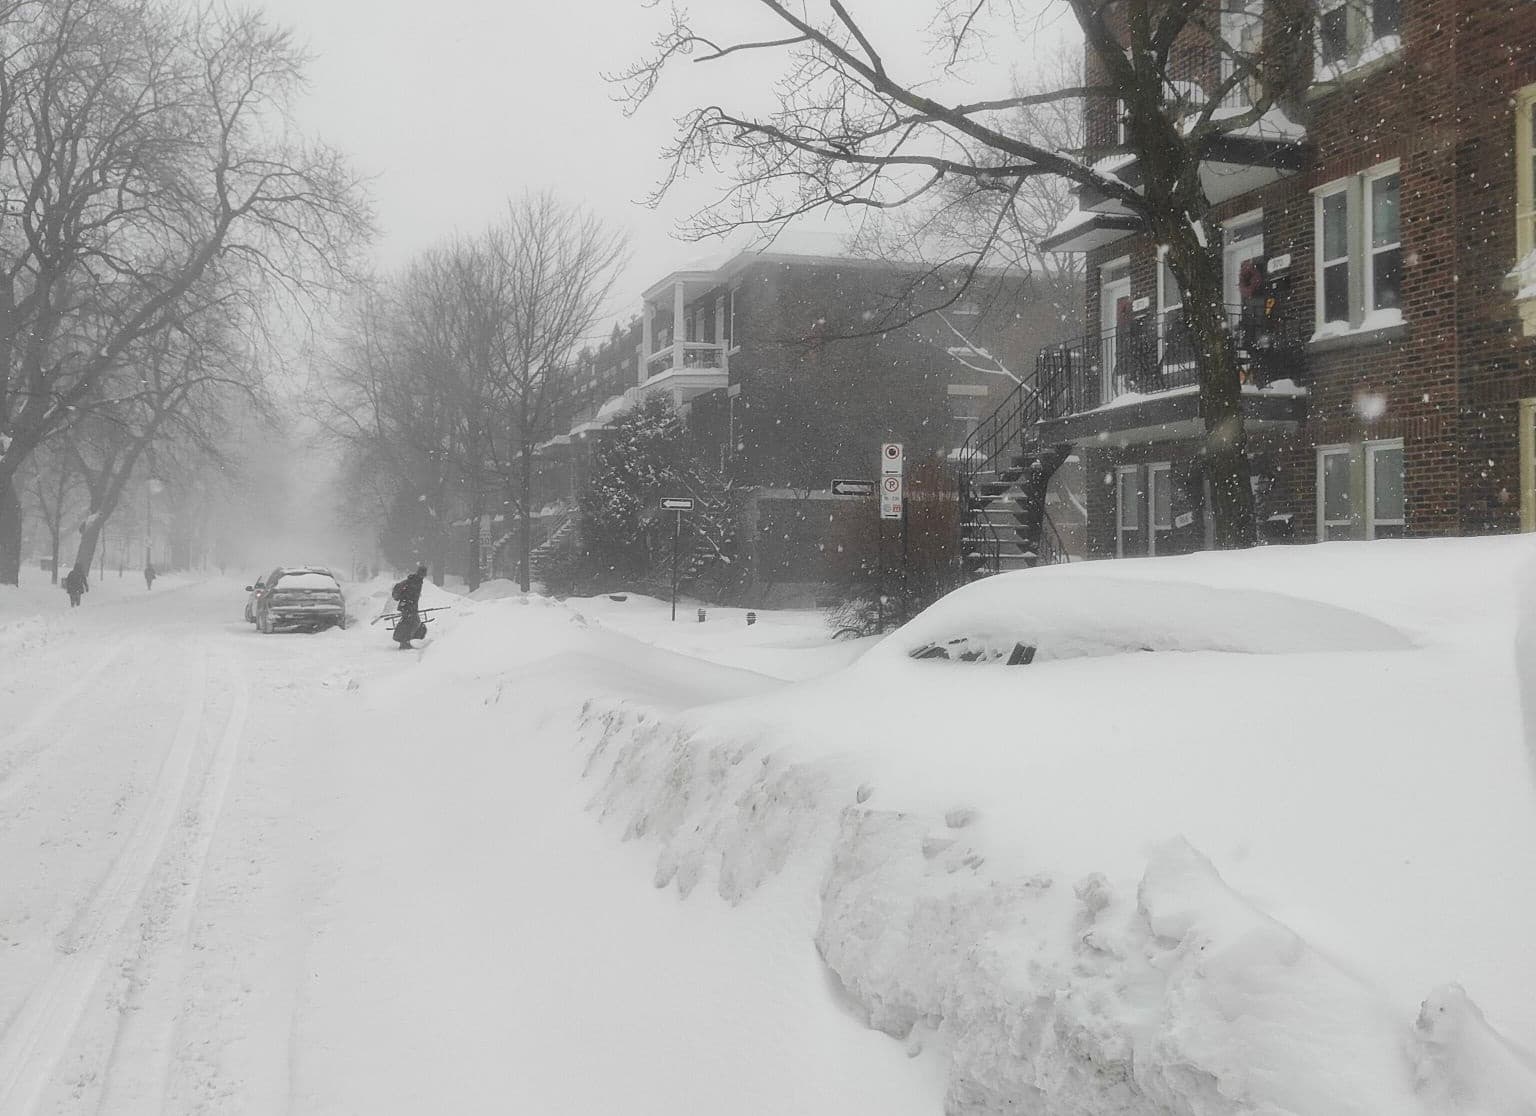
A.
pixel 1390 213
pixel 791 369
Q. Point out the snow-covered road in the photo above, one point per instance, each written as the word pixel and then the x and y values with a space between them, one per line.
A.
pixel 264 874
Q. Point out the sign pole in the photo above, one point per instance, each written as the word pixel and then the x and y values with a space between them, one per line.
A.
pixel 879 577
pixel 892 506
pixel 677 530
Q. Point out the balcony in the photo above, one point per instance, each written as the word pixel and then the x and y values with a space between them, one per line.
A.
pixel 1232 163
pixel 1140 381
pixel 686 370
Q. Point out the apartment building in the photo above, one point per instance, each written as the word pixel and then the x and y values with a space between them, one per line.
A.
pixel 791 367
pixel 1378 240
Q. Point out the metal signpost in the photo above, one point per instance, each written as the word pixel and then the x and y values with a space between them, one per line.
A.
pixel 892 464
pixel 678 504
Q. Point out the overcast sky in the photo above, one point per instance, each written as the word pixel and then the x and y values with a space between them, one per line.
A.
pixel 453 105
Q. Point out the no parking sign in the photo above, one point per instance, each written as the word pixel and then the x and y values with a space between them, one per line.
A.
pixel 891 466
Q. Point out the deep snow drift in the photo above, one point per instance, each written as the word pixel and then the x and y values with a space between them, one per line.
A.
pixel 1269 847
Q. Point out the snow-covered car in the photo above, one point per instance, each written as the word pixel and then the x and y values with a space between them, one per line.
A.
pixel 307 597
pixel 253 594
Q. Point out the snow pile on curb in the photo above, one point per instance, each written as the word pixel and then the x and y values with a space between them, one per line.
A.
pixel 1206 883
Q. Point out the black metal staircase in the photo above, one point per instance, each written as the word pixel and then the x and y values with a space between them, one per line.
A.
pixel 1003 474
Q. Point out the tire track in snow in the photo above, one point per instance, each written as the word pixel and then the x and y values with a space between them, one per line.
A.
pixel 12 756
pixel 139 1065
pixel 39 1036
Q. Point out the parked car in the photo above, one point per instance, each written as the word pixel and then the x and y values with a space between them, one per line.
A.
pixel 306 597
pixel 253 594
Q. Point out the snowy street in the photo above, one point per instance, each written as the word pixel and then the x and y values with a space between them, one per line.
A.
pixel 233 884
pixel 570 857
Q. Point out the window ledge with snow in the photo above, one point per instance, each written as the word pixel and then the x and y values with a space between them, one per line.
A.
pixel 1522 282
pixel 1377 327
pixel 1377 55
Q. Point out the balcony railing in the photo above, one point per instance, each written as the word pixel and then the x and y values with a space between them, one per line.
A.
pixel 686 354
pixel 1148 356
pixel 1195 73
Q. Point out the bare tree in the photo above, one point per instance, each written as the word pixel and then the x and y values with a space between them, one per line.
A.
pixel 143 149
pixel 555 267
pixel 849 132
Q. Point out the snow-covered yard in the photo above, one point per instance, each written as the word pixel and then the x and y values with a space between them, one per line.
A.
pixel 1251 834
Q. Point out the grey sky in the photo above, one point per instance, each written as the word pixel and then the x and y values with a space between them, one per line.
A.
pixel 453 105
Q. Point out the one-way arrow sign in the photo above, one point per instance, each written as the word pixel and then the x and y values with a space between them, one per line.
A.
pixel 853 488
pixel 677 503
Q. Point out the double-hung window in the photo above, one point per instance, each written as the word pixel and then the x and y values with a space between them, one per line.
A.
pixel 1360 491
pixel 1524 276
pixel 1351 33
pixel 1358 251
pixel 1173 341
pixel 1385 518
pixel 1384 246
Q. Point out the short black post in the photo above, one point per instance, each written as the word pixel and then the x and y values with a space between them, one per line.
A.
pixel 677 531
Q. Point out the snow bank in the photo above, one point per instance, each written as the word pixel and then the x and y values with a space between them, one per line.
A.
pixel 1290 870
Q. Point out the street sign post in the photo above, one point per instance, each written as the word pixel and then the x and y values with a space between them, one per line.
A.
pixel 853 488
pixel 677 504
pixel 892 478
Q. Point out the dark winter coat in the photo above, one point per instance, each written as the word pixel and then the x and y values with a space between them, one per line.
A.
pixel 75 583
pixel 407 592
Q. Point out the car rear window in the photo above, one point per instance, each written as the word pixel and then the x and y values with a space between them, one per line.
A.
pixel 308 581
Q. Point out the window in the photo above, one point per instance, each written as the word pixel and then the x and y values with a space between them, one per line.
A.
pixel 1333 257
pixel 1128 487
pixel 1160 478
pixel 1525 202
pixel 1351 33
pixel 1359 256
pixel 1335 498
pixel 1120 123
pixel 1333 32
pixel 1385 273
pixel 1384 489
pixel 1174 345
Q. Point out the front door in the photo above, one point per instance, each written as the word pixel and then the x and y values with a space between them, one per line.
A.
pixel 1528 464
pixel 1114 315
pixel 1159 505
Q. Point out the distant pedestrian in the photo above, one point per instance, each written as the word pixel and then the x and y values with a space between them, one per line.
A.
pixel 407 594
pixel 76 585
pixel 149 576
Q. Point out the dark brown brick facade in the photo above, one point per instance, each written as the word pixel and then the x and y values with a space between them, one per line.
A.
pixel 1449 381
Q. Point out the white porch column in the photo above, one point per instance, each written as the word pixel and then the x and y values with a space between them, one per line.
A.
pixel 679 328
pixel 646 347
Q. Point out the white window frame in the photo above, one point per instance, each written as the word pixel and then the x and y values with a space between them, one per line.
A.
pixel 1160 472
pixel 1371 449
pixel 1525 172
pixel 1359 36
pixel 1361 279
pixel 1341 187
pixel 1324 523
pixel 1368 248
pixel 1121 472
pixel 1165 279
pixel 1120 139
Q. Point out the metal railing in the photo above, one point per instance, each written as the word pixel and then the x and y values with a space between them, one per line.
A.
pixel 686 354
pixel 1195 73
pixel 1149 356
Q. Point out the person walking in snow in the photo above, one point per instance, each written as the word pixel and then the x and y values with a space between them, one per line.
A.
pixel 76 586
pixel 407 594
pixel 149 576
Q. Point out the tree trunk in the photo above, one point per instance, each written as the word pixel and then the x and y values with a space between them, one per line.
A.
pixel 90 535
pixel 10 533
pixel 1198 269
pixel 53 534
pixel 525 523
